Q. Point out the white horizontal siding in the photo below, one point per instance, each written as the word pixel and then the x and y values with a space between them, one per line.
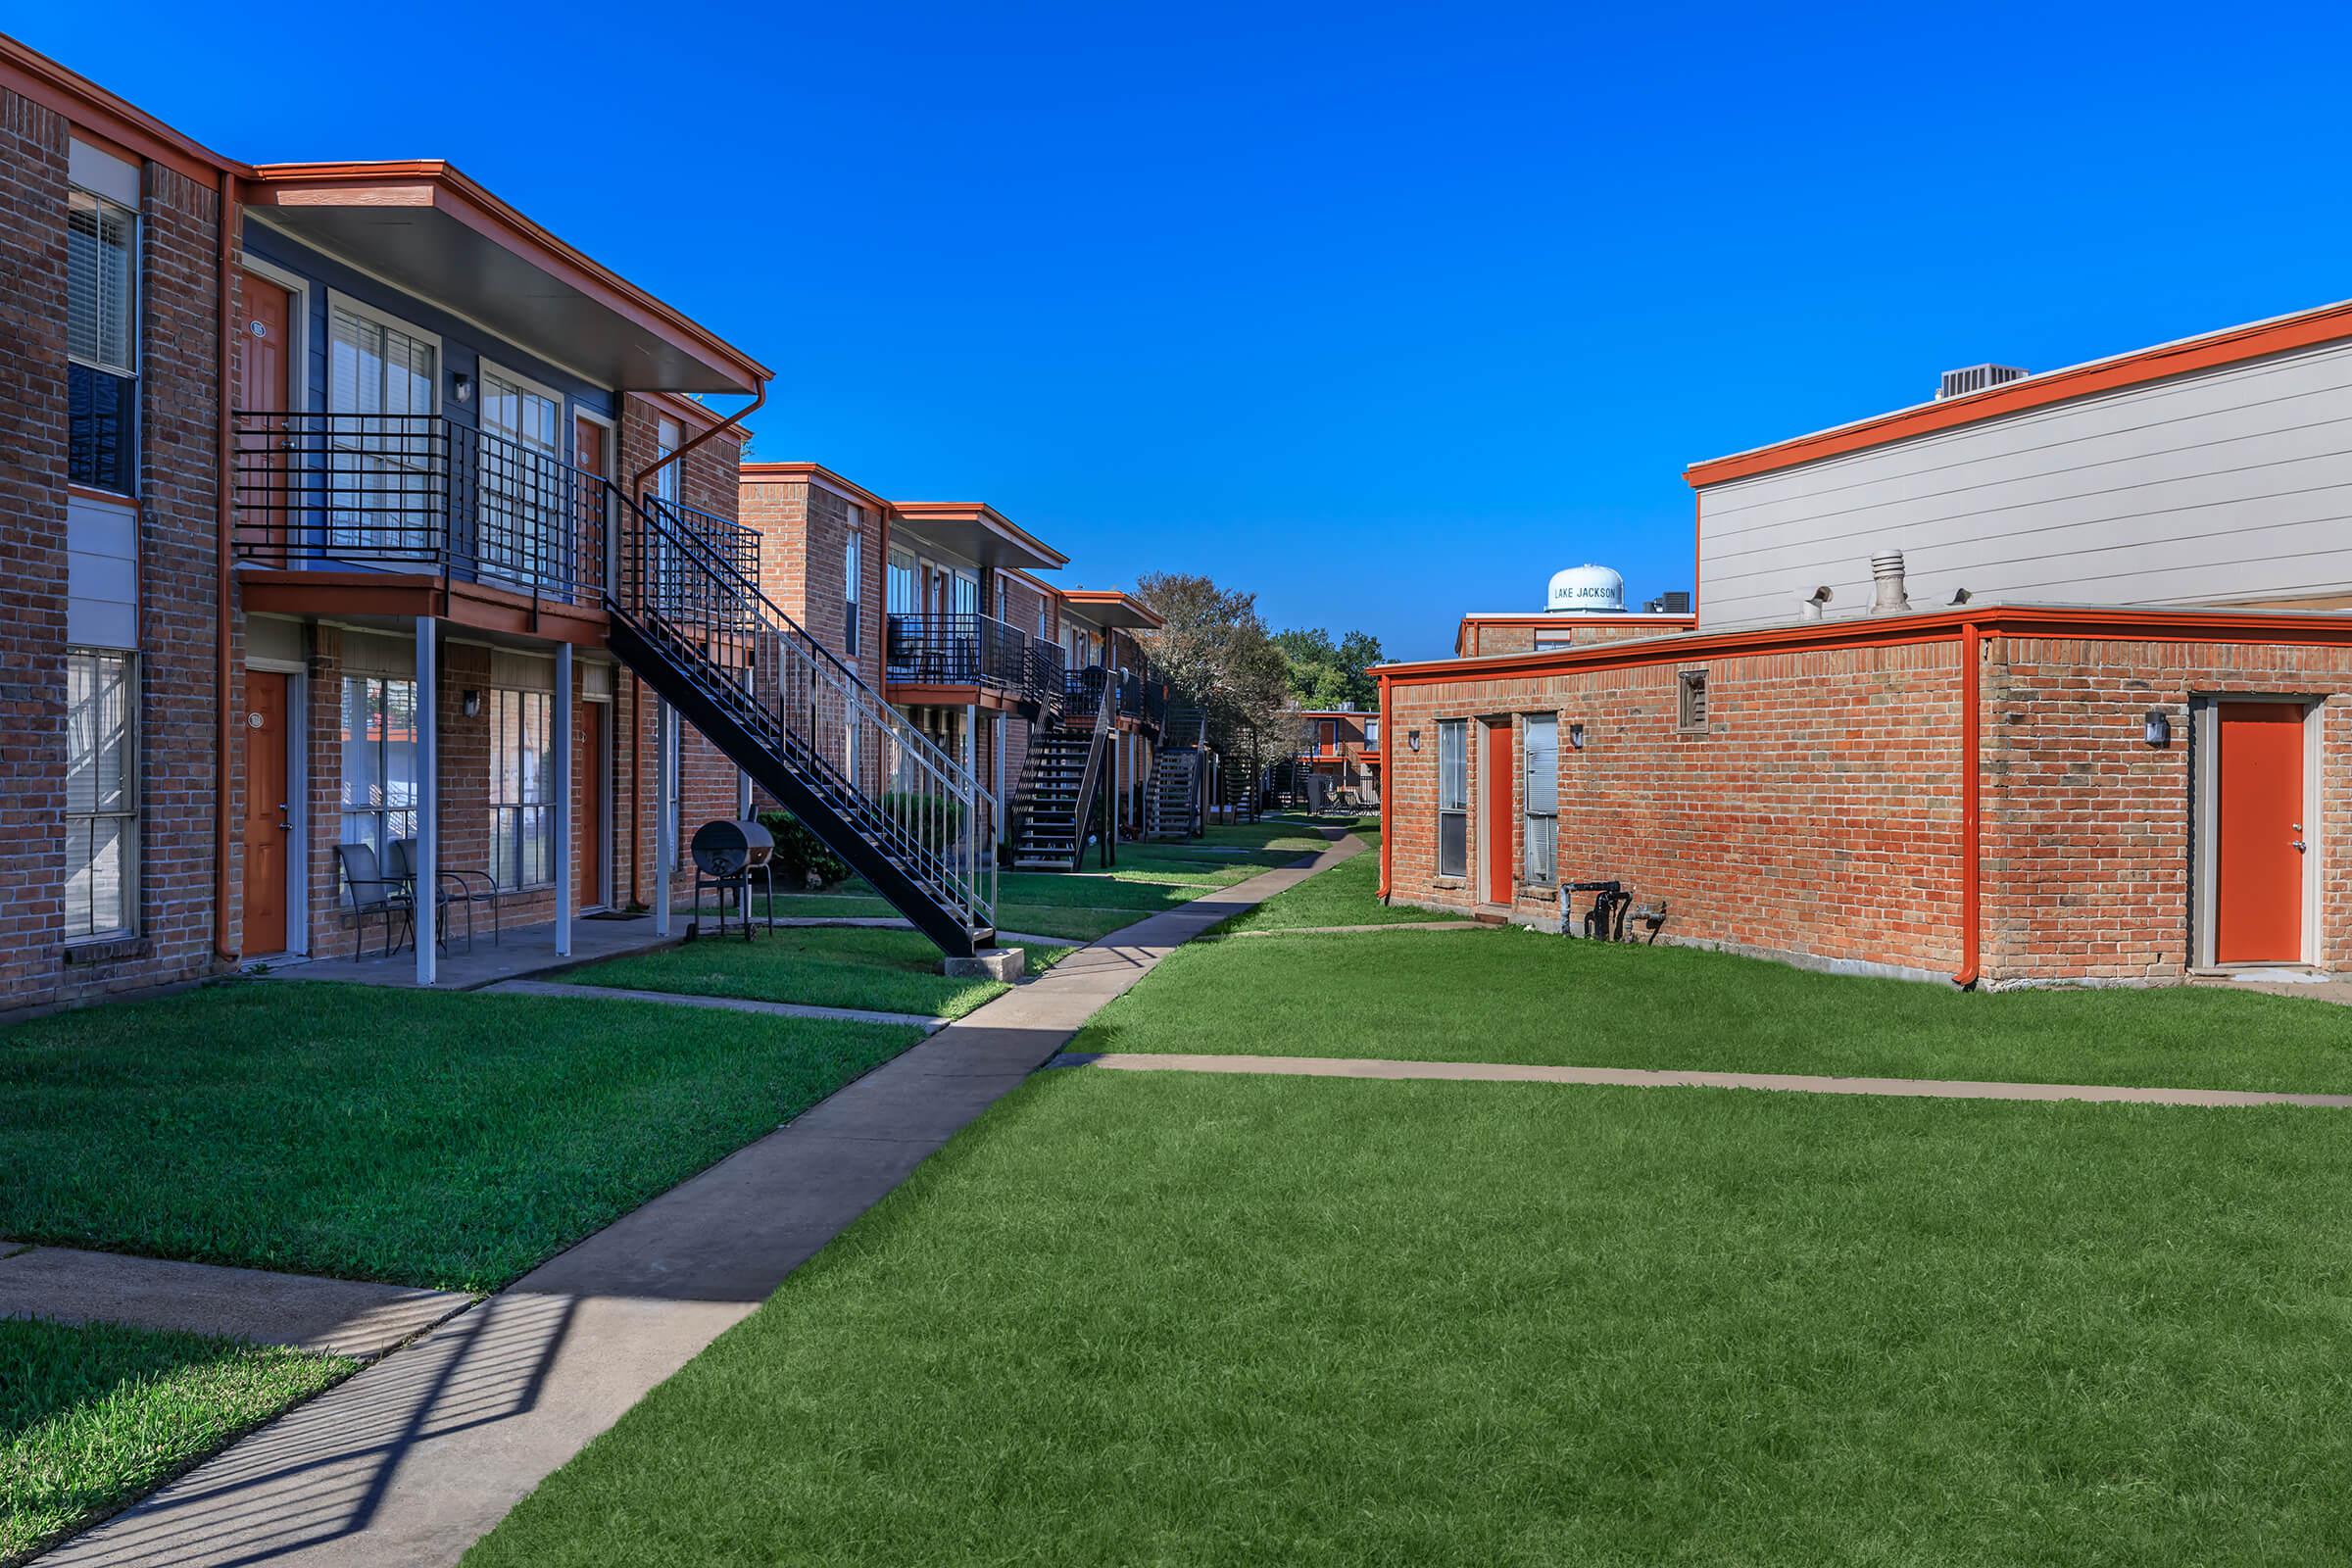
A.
pixel 2231 484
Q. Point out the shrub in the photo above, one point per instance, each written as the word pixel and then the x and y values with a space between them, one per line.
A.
pixel 801 857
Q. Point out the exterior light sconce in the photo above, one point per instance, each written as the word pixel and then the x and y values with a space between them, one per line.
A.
pixel 472 703
pixel 461 387
pixel 2157 730
pixel 1412 739
pixel 1576 737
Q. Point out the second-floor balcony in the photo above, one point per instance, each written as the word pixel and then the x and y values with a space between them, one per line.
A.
pixel 969 649
pixel 424 496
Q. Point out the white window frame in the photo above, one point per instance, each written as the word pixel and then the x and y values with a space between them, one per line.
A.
pixel 1458 805
pixel 338 301
pixel 853 571
pixel 1541 826
pixel 509 875
pixel 382 833
pixel 127 814
pixel 552 523
pixel 134 336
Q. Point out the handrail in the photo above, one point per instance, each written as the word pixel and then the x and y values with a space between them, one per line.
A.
pixel 413 489
pixel 680 588
pixel 1105 710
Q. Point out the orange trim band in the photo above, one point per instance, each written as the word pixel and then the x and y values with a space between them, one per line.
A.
pixel 2121 624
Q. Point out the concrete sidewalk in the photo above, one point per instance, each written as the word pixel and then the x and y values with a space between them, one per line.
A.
pixel 413 1459
pixel 334 1317
pixel 1644 1078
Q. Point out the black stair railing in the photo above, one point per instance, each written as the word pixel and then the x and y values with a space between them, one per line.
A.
pixel 959 649
pixel 681 588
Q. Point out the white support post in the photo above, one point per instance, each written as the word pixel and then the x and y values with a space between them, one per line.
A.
pixel 560 780
pixel 665 812
pixel 429 802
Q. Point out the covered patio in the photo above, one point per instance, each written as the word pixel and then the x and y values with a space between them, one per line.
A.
pixel 519 952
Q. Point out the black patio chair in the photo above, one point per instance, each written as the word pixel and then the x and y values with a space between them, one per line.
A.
pixel 451 890
pixel 369 895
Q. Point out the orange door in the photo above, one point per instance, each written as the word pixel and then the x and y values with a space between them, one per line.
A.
pixel 588 796
pixel 262 368
pixel 1499 814
pixel 2258 833
pixel 268 824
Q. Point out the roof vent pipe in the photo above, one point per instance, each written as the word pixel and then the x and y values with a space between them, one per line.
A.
pixel 1887 573
pixel 1817 602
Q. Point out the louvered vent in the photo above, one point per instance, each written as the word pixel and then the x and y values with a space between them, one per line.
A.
pixel 1976 378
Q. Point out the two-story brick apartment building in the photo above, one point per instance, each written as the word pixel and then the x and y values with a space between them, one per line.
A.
pixel 2038 681
pixel 940 605
pixel 355 523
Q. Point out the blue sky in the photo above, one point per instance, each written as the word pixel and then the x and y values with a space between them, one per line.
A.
pixel 1384 315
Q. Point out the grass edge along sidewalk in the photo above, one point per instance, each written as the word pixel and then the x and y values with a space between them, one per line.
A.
pixel 93 1415
pixel 1332 1321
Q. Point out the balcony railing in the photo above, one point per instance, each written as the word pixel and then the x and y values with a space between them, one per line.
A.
pixel 967 648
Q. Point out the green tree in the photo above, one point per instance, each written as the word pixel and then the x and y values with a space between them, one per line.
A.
pixel 1324 674
pixel 1214 645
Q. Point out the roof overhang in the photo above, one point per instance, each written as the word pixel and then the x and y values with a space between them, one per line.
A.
pixel 1112 608
pixel 426 227
pixel 972 532
pixel 93 110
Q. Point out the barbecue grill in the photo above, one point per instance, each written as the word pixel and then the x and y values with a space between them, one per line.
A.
pixel 727 854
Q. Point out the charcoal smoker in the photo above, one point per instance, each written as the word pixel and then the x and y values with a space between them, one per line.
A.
pixel 727 854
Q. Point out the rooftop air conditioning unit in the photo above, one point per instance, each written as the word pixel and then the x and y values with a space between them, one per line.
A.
pixel 1978 378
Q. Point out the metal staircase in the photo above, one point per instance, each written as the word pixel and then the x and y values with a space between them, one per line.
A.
pixel 689 620
pixel 1172 807
pixel 1061 779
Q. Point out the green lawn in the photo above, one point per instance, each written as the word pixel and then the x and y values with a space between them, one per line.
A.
pixel 1169 1318
pixel 1517 996
pixel 92 1416
pixel 1345 894
pixel 1092 902
pixel 426 1139
pixel 823 966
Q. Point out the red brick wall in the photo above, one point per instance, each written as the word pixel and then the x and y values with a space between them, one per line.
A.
pixel 2088 855
pixel 178 789
pixel 1481 637
pixel 1817 816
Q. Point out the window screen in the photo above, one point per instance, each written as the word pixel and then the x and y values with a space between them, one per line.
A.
pixel 1540 745
pixel 101 794
pixel 101 343
pixel 1453 796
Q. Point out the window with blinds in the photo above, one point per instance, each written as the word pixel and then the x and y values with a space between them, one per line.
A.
pixel 102 794
pixel 1453 796
pixel 522 824
pixel 523 505
pixel 387 463
pixel 853 572
pixel 1540 752
pixel 101 343
pixel 380 760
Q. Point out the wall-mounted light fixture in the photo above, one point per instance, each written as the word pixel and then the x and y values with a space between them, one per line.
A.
pixel 1576 737
pixel 461 387
pixel 1412 738
pixel 471 701
pixel 2157 730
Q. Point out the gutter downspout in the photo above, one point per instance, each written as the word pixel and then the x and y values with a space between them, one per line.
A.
pixel 636 687
pixel 224 671
pixel 1972 642
pixel 637 484
pixel 1387 787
